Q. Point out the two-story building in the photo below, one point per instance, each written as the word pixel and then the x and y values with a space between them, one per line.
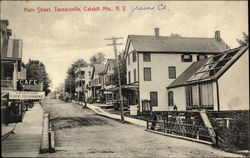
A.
pixel 218 83
pixel 95 85
pixel 11 58
pixel 107 81
pixel 82 79
pixel 153 62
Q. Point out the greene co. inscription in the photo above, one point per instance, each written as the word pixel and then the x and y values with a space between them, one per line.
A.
pixel 130 9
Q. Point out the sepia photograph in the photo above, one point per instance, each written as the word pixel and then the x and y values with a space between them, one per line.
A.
pixel 124 78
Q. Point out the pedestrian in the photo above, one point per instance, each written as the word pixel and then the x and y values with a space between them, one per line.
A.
pixel 175 108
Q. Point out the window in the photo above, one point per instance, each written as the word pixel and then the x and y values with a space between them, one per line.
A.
pixel 201 57
pixel 153 99
pixel 134 56
pixel 172 72
pixel 134 75
pixel 129 77
pixel 89 73
pixel 170 98
pixel 186 58
pixel 200 95
pixel 147 74
pixel 146 57
pixel 128 59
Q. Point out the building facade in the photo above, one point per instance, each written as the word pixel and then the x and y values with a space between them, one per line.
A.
pixel 82 79
pixel 218 83
pixel 153 62
pixel 11 59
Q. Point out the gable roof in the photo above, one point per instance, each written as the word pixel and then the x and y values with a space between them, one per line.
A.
pixel 210 69
pixel 109 61
pixel 166 44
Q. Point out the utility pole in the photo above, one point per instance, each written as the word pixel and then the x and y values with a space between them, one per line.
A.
pixel 114 39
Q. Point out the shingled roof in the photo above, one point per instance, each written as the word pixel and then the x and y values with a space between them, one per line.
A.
pixel 143 43
pixel 209 69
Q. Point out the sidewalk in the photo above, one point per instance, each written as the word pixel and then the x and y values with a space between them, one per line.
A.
pixel 26 141
pixel 101 112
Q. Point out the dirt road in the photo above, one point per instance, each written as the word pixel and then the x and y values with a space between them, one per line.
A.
pixel 81 133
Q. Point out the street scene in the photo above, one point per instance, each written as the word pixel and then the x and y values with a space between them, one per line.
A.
pixel 124 79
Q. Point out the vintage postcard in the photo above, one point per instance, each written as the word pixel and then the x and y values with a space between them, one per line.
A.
pixel 124 78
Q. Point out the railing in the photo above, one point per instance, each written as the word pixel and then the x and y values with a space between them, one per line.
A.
pixel 7 84
pixel 187 130
pixel 183 123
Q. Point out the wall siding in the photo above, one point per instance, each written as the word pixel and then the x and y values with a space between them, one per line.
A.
pixel 234 85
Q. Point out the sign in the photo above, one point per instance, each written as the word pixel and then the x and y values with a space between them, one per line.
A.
pixel 26 95
pixel 28 82
pixel 29 85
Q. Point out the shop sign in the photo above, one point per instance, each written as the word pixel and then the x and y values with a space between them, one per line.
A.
pixel 26 95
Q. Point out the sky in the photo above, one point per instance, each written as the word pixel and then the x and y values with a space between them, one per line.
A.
pixel 59 38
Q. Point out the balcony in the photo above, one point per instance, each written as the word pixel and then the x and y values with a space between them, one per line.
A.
pixel 7 84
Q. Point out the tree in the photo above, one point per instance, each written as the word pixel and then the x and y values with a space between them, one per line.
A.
pixel 69 82
pixel 122 66
pixel 244 41
pixel 36 70
pixel 175 35
pixel 98 58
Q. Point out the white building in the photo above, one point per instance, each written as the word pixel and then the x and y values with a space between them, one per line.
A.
pixel 218 83
pixel 82 79
pixel 153 62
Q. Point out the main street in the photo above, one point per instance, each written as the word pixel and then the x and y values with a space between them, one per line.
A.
pixel 81 133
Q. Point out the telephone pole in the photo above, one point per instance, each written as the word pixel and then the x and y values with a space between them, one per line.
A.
pixel 114 39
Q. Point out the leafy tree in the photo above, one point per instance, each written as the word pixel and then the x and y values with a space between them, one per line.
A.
pixel 98 58
pixel 70 79
pixel 244 41
pixel 36 70
pixel 122 68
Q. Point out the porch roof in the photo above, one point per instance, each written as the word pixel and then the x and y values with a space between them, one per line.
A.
pixel 129 87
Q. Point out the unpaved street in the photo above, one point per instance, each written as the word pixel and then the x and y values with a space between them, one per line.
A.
pixel 81 133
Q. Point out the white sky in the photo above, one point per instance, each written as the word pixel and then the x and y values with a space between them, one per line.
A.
pixel 58 39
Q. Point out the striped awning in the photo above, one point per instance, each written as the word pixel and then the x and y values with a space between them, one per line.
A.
pixel 11 48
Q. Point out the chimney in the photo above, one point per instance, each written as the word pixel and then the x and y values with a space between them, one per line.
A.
pixel 157 32
pixel 217 35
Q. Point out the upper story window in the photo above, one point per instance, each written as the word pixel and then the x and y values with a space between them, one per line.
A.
pixel 186 58
pixel 201 57
pixel 171 72
pixel 146 57
pixel 147 74
pixel 134 56
pixel 89 73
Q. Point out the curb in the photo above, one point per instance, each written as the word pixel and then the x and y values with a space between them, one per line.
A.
pixel 47 141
